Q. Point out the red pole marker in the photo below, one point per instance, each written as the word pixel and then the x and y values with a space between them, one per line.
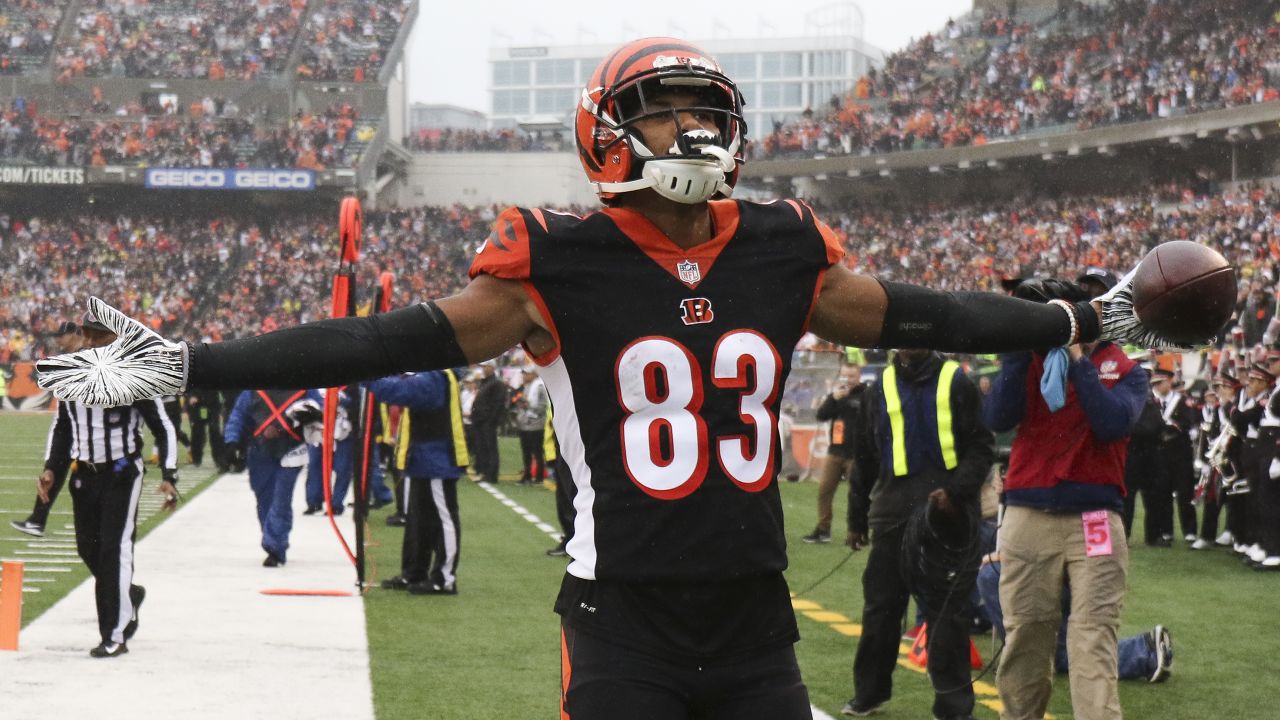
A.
pixel 350 228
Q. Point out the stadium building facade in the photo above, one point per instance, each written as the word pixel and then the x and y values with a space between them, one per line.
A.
pixel 537 87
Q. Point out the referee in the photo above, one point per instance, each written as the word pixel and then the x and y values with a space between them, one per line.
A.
pixel 104 446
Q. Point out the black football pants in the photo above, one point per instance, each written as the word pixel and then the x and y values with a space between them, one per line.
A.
pixel 432 531
pixel 885 597
pixel 105 501
pixel 603 681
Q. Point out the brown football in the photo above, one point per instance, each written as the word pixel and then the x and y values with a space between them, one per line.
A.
pixel 1184 291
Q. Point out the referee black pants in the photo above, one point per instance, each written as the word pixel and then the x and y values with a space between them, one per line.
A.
pixel 104 498
pixel 432 532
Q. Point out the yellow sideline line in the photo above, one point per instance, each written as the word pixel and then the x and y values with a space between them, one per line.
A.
pixel 844 626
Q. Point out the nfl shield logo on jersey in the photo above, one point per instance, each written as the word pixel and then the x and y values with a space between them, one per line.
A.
pixel 688 272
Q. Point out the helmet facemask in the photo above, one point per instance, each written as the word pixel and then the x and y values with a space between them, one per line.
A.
pixel 700 163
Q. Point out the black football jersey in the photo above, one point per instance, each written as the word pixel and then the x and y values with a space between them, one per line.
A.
pixel 667 377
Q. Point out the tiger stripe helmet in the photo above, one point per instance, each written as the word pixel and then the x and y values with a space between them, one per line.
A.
pixel 614 155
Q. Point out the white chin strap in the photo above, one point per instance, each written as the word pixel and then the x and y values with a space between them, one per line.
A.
pixel 688 181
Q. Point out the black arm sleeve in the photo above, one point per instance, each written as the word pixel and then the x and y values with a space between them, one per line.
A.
pixel 976 322
pixel 329 353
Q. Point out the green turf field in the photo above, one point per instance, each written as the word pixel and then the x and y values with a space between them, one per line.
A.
pixel 493 650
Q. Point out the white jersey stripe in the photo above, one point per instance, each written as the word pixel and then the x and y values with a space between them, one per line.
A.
pixel 582 547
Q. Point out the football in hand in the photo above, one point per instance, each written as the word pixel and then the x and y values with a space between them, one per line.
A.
pixel 1184 291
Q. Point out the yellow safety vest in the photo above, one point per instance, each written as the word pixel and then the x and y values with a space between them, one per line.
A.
pixel 548 438
pixel 460 456
pixel 893 403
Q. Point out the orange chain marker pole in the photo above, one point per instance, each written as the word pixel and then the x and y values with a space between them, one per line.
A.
pixel 10 605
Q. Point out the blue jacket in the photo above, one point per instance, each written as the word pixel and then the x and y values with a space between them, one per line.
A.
pixel 250 412
pixel 423 394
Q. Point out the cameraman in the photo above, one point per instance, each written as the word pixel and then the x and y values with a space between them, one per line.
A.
pixel 1073 408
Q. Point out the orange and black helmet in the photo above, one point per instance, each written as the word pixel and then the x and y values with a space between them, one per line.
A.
pixel 617 95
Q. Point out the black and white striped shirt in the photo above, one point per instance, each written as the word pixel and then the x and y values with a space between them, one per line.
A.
pixel 105 435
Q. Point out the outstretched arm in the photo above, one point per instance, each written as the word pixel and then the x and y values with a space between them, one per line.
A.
pixel 485 319
pixel 860 310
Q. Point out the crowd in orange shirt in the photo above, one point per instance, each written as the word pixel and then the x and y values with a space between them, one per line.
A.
pixel 221 276
pixel 330 138
pixel 190 39
pixel 1125 61
pixel 348 39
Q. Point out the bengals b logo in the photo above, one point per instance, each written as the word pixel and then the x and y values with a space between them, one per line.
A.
pixel 694 311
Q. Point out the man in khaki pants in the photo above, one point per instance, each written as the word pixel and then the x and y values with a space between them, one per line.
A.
pixel 843 407
pixel 1074 408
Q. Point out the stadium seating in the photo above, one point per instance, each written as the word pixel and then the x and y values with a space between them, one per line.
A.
pixel 27 30
pixel 222 276
pixel 334 137
pixel 348 39
pixel 1129 60
pixel 180 39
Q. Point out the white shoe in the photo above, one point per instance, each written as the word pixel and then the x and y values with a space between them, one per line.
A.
pixel 1226 538
pixel 1257 554
pixel 1270 563
pixel 1164 654
pixel 1239 548
pixel 1189 537
pixel 1201 544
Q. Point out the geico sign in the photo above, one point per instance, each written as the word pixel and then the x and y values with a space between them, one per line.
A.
pixel 187 178
pixel 209 179
pixel 273 179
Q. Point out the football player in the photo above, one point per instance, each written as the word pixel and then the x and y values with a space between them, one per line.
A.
pixel 662 326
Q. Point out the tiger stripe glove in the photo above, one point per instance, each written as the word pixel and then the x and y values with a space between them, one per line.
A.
pixel 139 364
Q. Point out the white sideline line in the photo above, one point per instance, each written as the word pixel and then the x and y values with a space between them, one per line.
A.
pixel 520 510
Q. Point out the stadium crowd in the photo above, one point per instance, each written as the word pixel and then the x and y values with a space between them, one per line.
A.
pixel 333 137
pixel 1126 61
pixel 215 277
pixel 348 39
pixel 497 140
pixel 188 39
pixel 27 30
pixel 276 271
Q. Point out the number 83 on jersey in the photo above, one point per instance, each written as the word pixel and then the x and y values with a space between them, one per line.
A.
pixel 666 445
